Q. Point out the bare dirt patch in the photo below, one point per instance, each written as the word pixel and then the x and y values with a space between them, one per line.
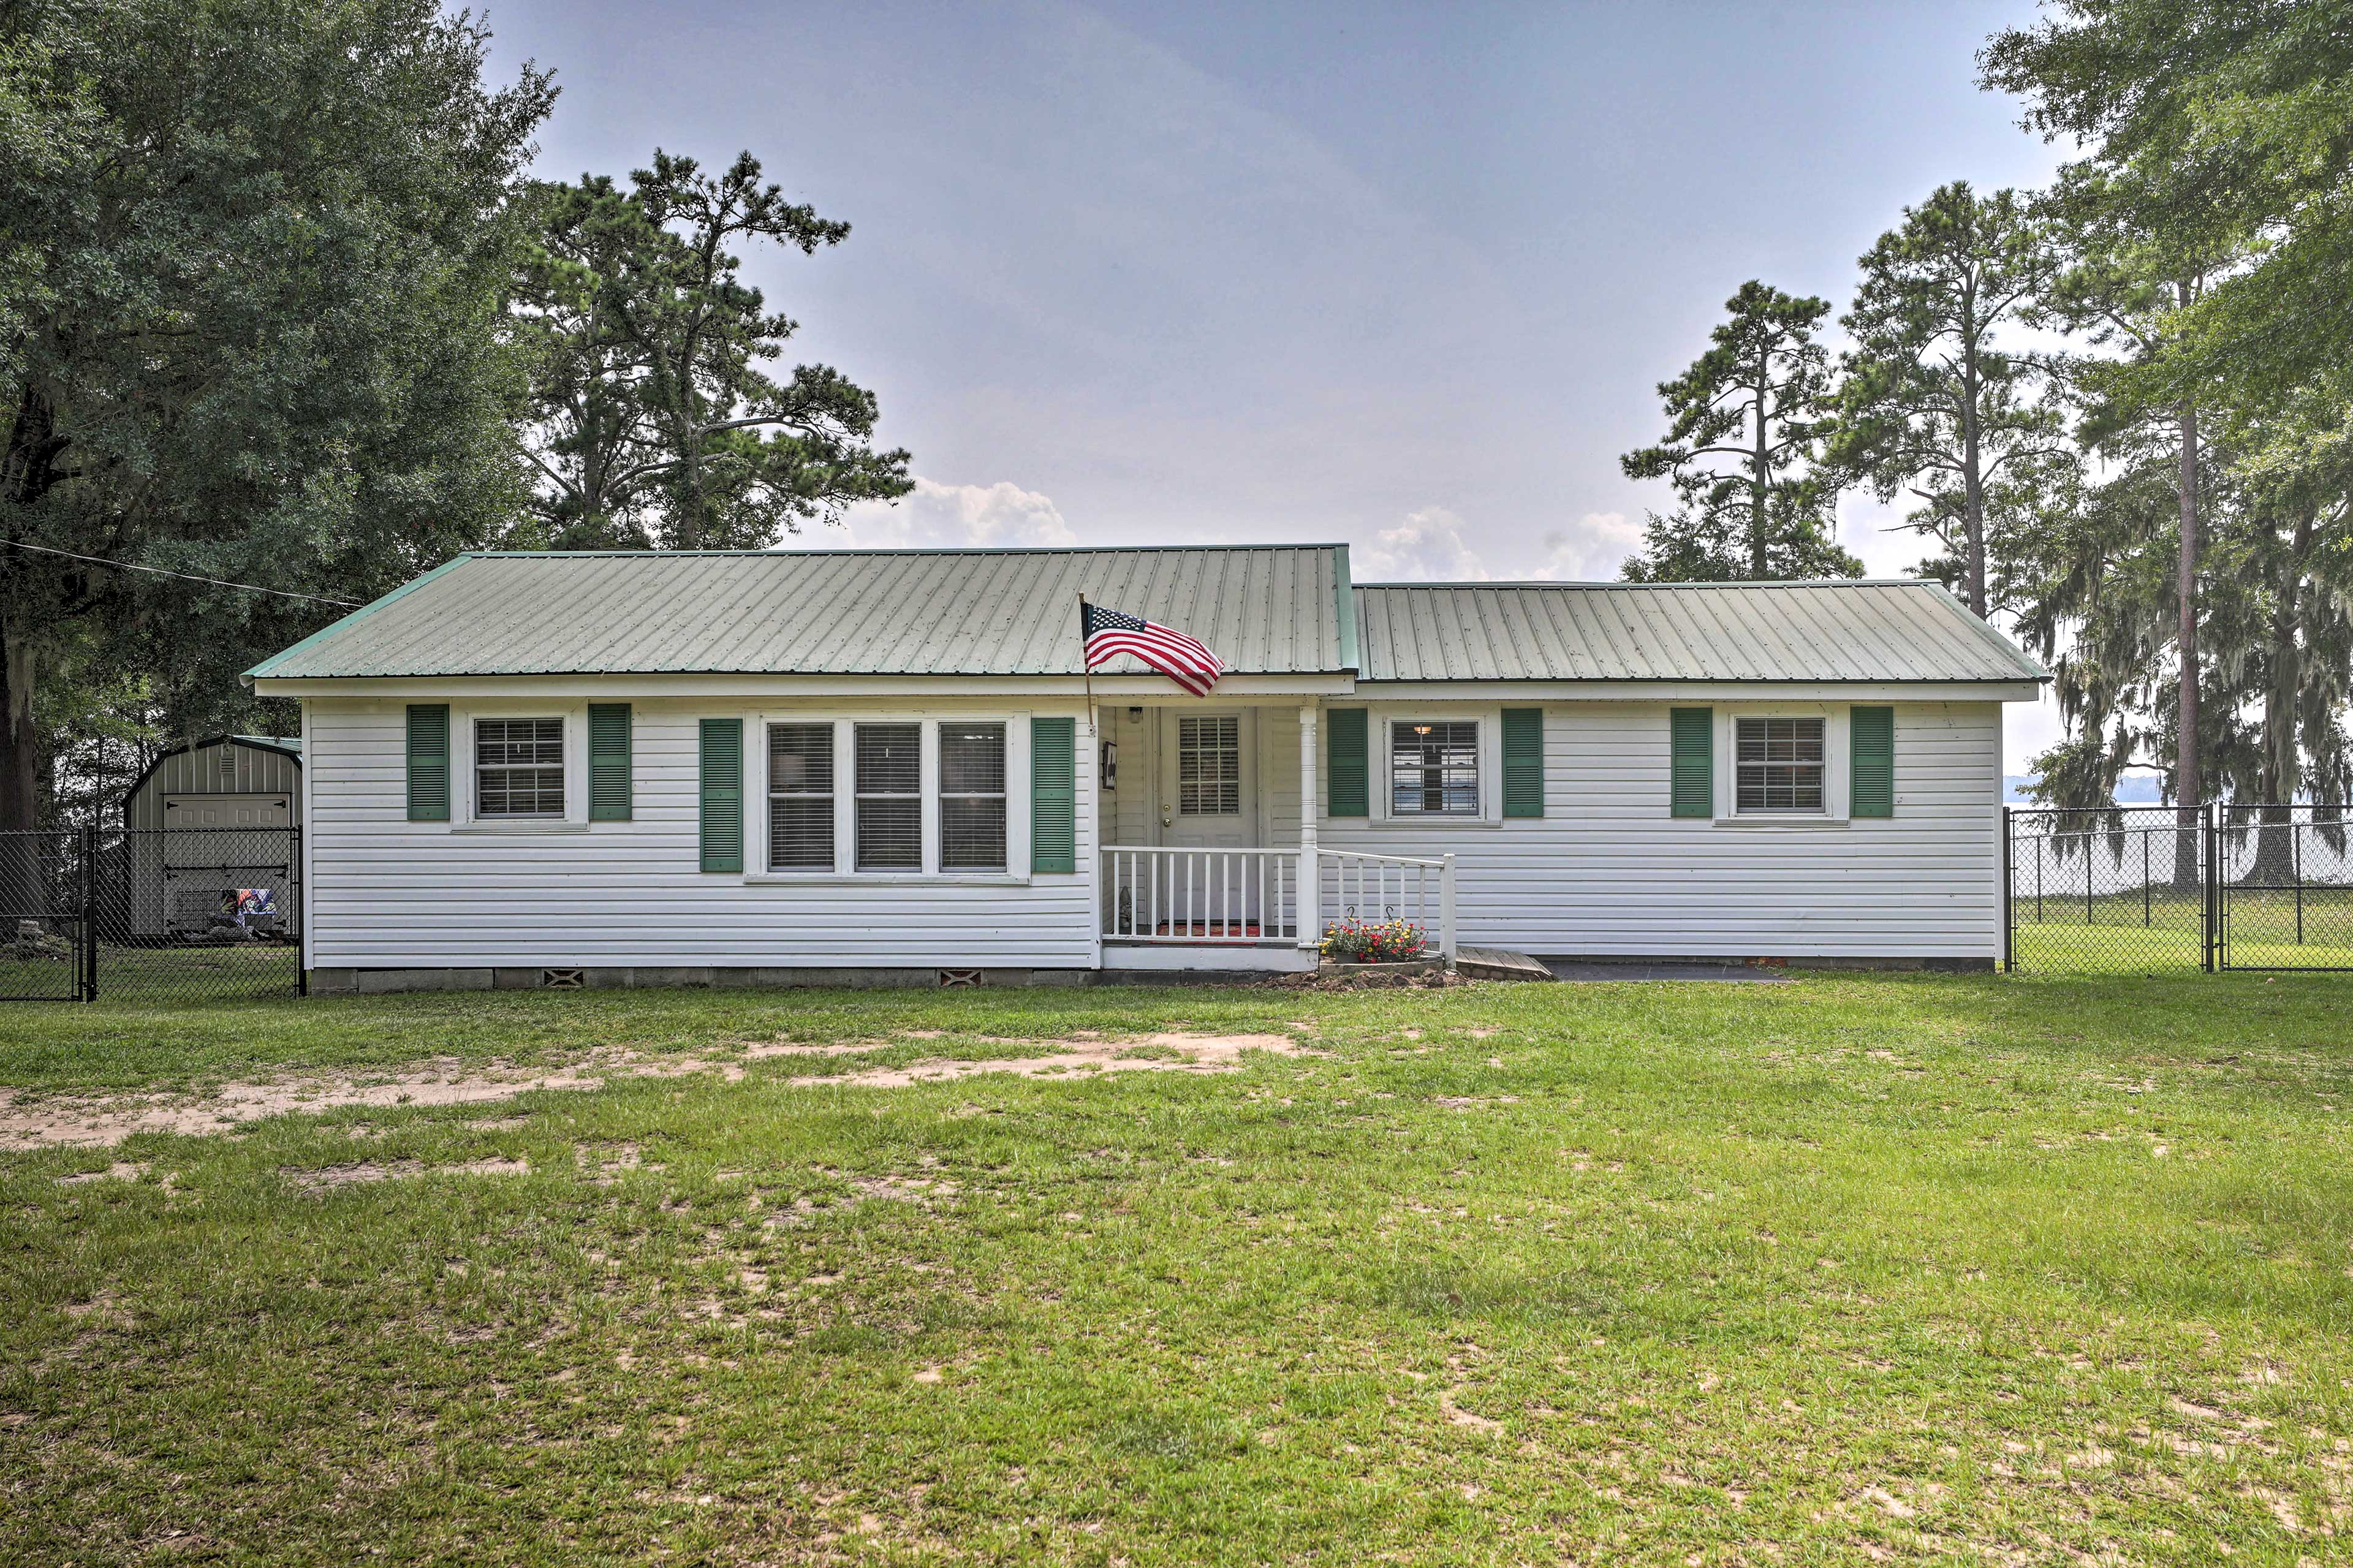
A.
pixel 99 1121
pixel 104 1120
pixel 121 1171
pixel 330 1177
pixel 1152 1053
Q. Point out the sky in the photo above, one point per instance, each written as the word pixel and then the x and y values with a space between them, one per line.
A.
pixel 1401 276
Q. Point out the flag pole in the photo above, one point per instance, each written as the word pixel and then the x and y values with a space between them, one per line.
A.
pixel 1085 669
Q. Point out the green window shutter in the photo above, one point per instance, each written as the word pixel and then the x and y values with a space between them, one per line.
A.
pixel 723 794
pixel 1053 794
pixel 428 761
pixel 1346 775
pixel 1522 761
pixel 1871 746
pixel 1693 770
pixel 608 762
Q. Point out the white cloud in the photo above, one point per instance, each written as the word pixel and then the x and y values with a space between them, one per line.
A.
pixel 1590 549
pixel 1435 545
pixel 1427 547
pixel 935 515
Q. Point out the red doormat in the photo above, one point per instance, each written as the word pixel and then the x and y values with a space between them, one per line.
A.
pixel 1213 931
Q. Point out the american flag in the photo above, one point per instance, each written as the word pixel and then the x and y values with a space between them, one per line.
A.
pixel 1182 659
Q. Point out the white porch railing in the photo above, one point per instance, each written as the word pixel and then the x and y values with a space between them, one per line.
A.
pixel 1359 887
pixel 1184 895
pixel 1180 895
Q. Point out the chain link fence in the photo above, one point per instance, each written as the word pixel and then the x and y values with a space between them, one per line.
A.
pixel 179 914
pixel 2285 888
pixel 2141 887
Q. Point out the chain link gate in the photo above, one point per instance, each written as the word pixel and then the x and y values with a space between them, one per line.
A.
pixel 2284 888
pixel 2137 887
pixel 45 896
pixel 171 914
pixel 2121 887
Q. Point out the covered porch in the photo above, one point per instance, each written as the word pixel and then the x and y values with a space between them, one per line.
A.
pixel 1207 817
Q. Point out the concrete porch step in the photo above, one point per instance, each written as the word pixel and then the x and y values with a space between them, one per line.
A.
pixel 1498 963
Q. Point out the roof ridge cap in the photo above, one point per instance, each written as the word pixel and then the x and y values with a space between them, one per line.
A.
pixel 911 550
pixel 1573 583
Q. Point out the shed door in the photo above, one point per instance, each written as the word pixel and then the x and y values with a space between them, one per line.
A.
pixel 219 851
pixel 228 811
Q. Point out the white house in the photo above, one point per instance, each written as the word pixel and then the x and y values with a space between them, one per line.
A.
pixel 877 767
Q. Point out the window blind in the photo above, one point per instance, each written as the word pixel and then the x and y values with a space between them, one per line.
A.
pixel 972 798
pixel 800 797
pixel 890 809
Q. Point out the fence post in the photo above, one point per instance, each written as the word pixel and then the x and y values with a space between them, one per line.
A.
pixel 2009 906
pixel 2295 862
pixel 299 907
pixel 1446 944
pixel 2144 879
pixel 89 932
pixel 2210 832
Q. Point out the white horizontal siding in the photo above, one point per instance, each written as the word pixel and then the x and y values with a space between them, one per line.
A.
pixel 1607 872
pixel 385 892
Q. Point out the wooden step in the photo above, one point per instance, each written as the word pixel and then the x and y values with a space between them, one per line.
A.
pixel 1498 963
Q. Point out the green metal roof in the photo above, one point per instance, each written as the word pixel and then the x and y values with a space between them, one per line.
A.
pixel 1264 609
pixel 1825 631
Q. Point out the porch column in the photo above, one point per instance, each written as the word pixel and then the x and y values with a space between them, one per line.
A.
pixel 1311 807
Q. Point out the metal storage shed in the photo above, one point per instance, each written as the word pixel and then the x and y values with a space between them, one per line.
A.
pixel 208 817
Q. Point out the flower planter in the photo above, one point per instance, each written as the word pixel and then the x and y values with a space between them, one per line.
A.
pixel 1430 966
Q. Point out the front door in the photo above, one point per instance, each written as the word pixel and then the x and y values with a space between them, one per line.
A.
pixel 1208 781
pixel 1208 801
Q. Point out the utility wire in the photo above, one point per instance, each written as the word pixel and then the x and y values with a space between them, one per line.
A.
pixel 184 577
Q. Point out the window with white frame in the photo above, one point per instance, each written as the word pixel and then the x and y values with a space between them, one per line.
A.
pixel 972 798
pixel 1210 766
pixel 518 767
pixel 800 797
pixel 1778 764
pixel 1434 768
pixel 889 780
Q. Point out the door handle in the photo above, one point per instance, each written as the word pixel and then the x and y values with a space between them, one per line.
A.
pixel 1166 819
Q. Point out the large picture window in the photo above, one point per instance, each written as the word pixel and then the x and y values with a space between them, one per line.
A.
pixel 972 798
pixel 518 767
pixel 800 797
pixel 1778 764
pixel 890 797
pixel 1434 768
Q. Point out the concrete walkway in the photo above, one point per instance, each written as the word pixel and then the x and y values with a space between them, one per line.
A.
pixel 1591 970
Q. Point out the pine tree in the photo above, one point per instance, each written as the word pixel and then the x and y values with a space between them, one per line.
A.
pixel 1742 423
pixel 1930 405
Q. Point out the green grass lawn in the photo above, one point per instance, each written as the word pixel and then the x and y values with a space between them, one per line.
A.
pixel 1850 1269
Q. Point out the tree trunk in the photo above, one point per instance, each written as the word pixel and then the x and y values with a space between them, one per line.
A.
pixel 24 891
pixel 20 747
pixel 2283 758
pixel 1760 476
pixel 2189 794
pixel 1972 495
